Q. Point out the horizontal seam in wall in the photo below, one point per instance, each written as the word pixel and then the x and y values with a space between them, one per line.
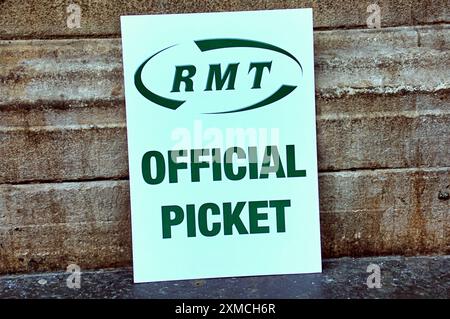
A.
pixel 63 181
pixel 320 173
pixel 371 115
pixel 326 94
pixel 21 227
pixel 74 104
pixel 117 35
pixel 385 170
pixel 72 127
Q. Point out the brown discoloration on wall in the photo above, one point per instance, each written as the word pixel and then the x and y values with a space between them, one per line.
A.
pixel 349 62
pixel 384 212
pixel 49 226
pixel 362 213
pixel 47 18
pixel 349 143
pixel 406 114
pixel 54 113
pixel 63 153
pixel 85 152
pixel 383 126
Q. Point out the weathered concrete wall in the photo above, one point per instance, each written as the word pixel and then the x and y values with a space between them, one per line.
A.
pixel 383 118
pixel 47 18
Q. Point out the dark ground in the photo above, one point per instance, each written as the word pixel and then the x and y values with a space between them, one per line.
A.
pixel 401 277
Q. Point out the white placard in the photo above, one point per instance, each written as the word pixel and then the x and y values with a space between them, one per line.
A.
pixel 221 144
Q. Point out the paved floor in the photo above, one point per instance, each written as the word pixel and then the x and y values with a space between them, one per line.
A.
pixel 410 277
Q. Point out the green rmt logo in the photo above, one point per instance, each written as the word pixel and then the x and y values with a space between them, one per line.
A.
pixel 217 79
pixel 185 73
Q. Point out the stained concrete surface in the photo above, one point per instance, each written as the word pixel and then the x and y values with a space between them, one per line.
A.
pixel 401 277
pixel 48 18
pixel 383 128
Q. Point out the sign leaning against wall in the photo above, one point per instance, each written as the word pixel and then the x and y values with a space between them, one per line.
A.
pixel 221 144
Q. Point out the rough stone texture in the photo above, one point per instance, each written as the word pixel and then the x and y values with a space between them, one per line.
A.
pixel 386 61
pixel 48 226
pixel 402 140
pixel 417 277
pixel 362 213
pixel 380 212
pixel 383 122
pixel 60 71
pixel 360 76
pixel 63 153
pixel 78 152
pixel 44 19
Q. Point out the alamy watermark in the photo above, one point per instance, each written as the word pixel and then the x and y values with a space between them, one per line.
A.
pixel 374 19
pixel 198 137
pixel 374 279
pixel 74 16
pixel 74 279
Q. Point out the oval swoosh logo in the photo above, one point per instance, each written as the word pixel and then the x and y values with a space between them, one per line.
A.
pixel 215 75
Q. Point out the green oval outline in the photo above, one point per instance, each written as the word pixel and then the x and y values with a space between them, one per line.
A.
pixel 216 44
